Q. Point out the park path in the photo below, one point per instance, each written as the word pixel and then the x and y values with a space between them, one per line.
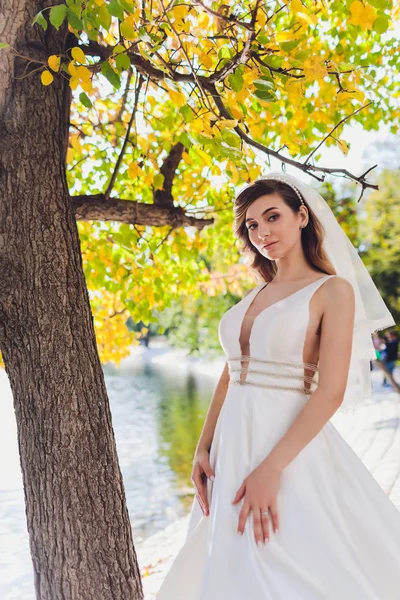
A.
pixel 373 432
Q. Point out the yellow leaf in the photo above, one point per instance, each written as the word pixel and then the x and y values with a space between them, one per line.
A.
pixel 149 178
pixel 302 12
pixel 224 123
pixel 343 146
pixel 78 55
pixel 205 156
pixel 254 171
pixel 72 69
pixel 235 177
pixel 131 19
pixel 203 20
pixel 362 14
pixel 284 36
pixel 46 77
pixel 54 62
pixel 73 83
pixel 314 68
pixel 296 6
pixel 99 2
pixel 70 155
pixel 236 111
pixel 206 60
pixel 83 73
pixel 180 12
pixel 261 18
pixel 134 170
pixel 187 158
pixel 87 86
pixel 177 98
pixel 74 141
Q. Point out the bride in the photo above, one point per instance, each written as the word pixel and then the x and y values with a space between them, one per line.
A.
pixel 284 509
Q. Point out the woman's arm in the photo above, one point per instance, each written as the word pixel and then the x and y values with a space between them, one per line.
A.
pixel 214 409
pixel 201 461
pixel 334 361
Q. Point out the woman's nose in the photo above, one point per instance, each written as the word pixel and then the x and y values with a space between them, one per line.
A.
pixel 262 232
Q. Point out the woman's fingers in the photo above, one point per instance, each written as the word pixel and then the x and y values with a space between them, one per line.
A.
pixel 240 493
pixel 259 524
pixel 201 490
pixel 208 470
pixel 265 523
pixel 274 515
pixel 244 513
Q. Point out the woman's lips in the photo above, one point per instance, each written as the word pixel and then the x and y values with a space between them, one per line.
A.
pixel 267 247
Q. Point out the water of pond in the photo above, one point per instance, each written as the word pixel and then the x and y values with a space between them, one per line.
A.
pixel 157 415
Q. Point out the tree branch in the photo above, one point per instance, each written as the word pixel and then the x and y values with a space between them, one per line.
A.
pixel 124 145
pixel 168 169
pixel 302 166
pixel 98 208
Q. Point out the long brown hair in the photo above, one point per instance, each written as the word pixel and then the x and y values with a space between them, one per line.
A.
pixel 311 236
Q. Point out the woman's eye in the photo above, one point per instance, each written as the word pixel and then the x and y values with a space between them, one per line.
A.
pixel 255 224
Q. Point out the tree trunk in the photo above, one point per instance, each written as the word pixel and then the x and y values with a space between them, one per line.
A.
pixel 78 523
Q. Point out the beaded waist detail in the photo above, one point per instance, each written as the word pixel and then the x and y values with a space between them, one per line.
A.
pixel 285 375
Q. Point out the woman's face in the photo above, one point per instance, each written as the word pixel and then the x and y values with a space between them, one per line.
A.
pixel 269 220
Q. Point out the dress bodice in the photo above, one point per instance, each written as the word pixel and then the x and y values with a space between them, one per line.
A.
pixel 274 339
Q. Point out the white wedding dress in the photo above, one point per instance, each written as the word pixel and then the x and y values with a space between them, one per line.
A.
pixel 339 536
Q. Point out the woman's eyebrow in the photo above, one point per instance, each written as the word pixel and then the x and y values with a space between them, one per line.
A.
pixel 262 214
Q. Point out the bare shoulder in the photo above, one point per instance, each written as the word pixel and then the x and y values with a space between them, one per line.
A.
pixel 337 291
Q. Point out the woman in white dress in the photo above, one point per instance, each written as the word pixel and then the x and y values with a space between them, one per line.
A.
pixel 284 509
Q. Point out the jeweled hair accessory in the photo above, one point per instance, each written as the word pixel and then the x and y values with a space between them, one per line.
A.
pixel 371 312
pixel 296 189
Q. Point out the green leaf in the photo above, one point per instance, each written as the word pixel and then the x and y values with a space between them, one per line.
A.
pixel 40 20
pixel 289 46
pixel 264 95
pixel 128 6
pixel 57 15
pixel 110 74
pixel 302 55
pixel 158 181
pixel 116 10
pixel 86 101
pixel 263 84
pixel 119 48
pixel 381 4
pixel 381 24
pixel 127 30
pixel 225 52
pixel 236 81
pixel 4 44
pixel 104 16
pixel 123 62
pixel 187 113
pixel 74 20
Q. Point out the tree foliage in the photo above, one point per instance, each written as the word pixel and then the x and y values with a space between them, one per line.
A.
pixel 175 105
pixel 380 232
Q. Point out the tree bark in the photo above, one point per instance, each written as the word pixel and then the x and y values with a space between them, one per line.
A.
pixel 79 529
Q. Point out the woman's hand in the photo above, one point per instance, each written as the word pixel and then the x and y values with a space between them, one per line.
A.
pixel 260 491
pixel 201 470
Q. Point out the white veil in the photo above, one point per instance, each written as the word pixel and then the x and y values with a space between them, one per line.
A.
pixel 371 313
